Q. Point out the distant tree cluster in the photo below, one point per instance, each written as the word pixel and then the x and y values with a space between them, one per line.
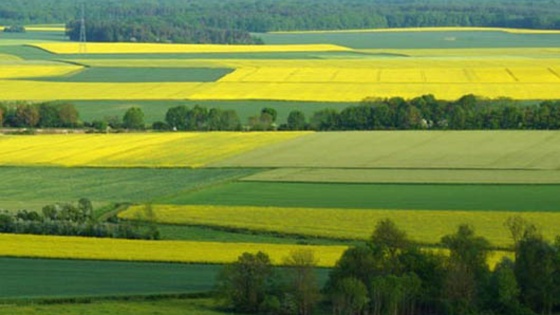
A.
pixel 154 29
pixel 199 118
pixel 43 115
pixel 73 220
pixel 391 275
pixel 252 285
pixel 14 29
pixel 426 112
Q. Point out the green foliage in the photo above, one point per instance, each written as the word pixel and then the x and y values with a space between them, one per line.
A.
pixel 296 120
pixel 134 119
pixel 14 29
pixel 349 297
pixel 245 284
pixel 467 269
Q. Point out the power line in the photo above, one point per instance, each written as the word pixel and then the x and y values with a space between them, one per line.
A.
pixel 83 40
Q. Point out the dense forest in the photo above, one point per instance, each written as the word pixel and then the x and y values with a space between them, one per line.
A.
pixel 232 21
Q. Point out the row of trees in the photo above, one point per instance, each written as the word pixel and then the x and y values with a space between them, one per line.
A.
pixel 76 220
pixel 44 115
pixel 155 29
pixel 391 275
pixel 424 112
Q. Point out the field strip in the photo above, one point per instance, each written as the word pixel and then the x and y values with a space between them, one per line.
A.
pixel 413 63
pixel 416 176
pixel 424 226
pixel 410 149
pixel 35 246
pixel 356 92
pixel 133 150
pixel 14 71
pixel 427 29
pixel 143 48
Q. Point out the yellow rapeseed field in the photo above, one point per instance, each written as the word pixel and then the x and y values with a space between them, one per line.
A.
pixel 35 246
pixel 144 48
pixel 133 150
pixel 429 29
pixel 16 70
pixel 423 226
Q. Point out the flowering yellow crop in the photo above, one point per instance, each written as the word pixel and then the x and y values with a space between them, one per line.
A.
pixel 133 150
pixel 429 29
pixel 13 71
pixel 142 48
pixel 35 246
pixel 6 57
pixel 423 226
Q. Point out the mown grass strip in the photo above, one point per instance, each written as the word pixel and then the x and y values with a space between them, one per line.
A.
pixel 408 176
pixel 470 197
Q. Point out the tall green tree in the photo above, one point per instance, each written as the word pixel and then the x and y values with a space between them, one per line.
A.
pixel 467 269
pixel 134 119
pixel 296 120
pixel 245 284
pixel 303 283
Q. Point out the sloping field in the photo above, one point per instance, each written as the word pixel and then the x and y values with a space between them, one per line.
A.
pixel 412 176
pixel 151 74
pixel 410 149
pixel 34 187
pixel 28 70
pixel 133 150
pixel 42 91
pixel 281 91
pixel 33 246
pixel 420 38
pixel 142 48
pixel 427 227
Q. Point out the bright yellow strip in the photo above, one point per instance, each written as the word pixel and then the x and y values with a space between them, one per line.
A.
pixel 423 226
pixel 13 245
pixel 134 150
pixel 428 29
pixel 29 70
pixel 142 48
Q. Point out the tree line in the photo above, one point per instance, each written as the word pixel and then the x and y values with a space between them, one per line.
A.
pixel 425 112
pixel 391 275
pixel 232 21
pixel 68 219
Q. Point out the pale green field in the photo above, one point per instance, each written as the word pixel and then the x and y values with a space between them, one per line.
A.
pixel 409 176
pixel 515 150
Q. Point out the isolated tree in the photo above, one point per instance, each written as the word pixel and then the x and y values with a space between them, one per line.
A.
pixel 133 119
pixel 244 285
pixel 303 280
pixel 270 111
pixel 296 120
